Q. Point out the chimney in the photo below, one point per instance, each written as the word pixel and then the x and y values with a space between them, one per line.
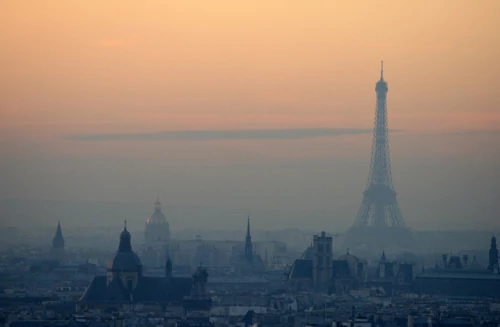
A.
pixel 445 261
pixel 410 320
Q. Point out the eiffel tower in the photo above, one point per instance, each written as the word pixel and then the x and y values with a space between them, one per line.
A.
pixel 379 220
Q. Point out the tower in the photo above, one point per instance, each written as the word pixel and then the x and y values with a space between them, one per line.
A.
pixel 248 242
pixel 58 240
pixel 493 255
pixel 379 216
pixel 57 251
pixel 322 262
pixel 168 267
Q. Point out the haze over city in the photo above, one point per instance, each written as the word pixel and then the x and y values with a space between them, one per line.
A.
pixel 228 108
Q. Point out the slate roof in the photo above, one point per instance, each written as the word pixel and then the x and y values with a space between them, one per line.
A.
pixel 245 264
pixel 302 269
pixel 149 289
pixel 459 274
pixel 341 269
pixel 407 270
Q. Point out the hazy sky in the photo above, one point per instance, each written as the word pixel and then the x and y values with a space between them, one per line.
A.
pixel 72 71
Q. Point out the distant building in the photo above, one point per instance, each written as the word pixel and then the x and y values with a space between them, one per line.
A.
pixel 157 237
pixel 316 270
pixel 493 256
pixel 456 277
pixel 322 262
pixel 157 232
pixel 125 285
pixel 248 262
pixel 393 276
pixel 57 251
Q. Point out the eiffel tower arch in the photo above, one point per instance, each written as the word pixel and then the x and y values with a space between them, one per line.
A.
pixel 379 222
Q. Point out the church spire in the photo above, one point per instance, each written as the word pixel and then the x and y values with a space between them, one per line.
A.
pixel 383 257
pixel 382 70
pixel 58 240
pixel 248 241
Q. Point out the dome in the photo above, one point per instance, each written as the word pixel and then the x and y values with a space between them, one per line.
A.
pixel 157 218
pixel 125 234
pixel 125 259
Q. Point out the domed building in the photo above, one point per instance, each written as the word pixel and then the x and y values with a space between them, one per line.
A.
pixel 126 265
pixel 125 285
pixel 157 232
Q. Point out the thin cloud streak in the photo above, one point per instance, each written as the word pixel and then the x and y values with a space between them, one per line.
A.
pixel 212 135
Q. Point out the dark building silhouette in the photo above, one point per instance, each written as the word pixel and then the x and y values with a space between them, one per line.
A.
pixel 313 272
pixel 322 262
pixel 379 221
pixel 392 276
pixel 125 284
pixel 248 242
pixel 58 240
pixel 249 262
pixel 199 301
pixel 493 255
pixel 457 277
pixel 57 250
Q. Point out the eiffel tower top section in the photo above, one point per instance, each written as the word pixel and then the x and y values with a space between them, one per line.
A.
pixel 381 86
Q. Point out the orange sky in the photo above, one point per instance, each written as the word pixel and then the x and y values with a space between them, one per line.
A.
pixel 146 66
pixel 133 66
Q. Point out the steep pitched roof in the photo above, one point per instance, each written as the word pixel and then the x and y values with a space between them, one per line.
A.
pixel 302 269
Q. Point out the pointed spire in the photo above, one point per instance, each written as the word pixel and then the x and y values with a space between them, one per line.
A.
pixel 382 70
pixel 383 258
pixel 248 227
pixel 248 241
pixel 58 240
pixel 168 266
pixel 158 203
